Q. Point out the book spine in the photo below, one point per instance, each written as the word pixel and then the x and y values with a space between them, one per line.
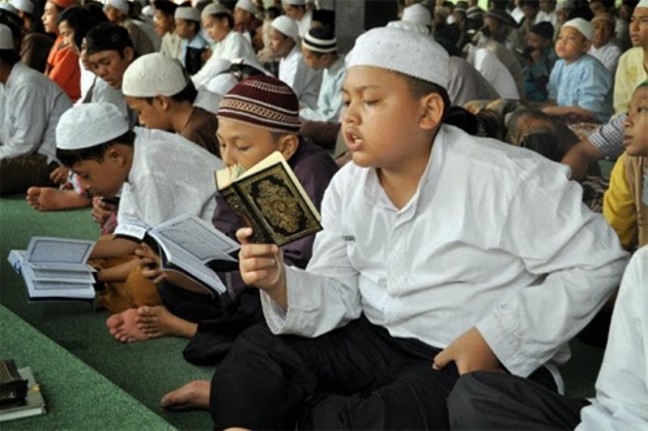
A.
pixel 247 215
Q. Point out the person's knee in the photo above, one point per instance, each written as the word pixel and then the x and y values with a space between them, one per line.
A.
pixel 468 394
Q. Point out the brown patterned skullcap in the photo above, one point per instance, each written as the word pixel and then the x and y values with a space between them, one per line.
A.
pixel 262 101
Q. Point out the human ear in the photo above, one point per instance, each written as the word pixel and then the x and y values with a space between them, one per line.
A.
pixel 114 155
pixel 162 102
pixel 129 54
pixel 432 107
pixel 288 145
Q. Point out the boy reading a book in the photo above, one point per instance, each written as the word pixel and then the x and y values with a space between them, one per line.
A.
pixel 96 143
pixel 441 253
pixel 259 116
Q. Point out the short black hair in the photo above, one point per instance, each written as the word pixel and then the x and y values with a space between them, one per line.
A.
pixel 187 94
pixel 167 7
pixel 81 19
pixel 107 36
pixel 70 158
pixel 419 88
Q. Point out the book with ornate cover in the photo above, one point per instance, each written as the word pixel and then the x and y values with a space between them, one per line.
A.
pixel 270 199
pixel 32 405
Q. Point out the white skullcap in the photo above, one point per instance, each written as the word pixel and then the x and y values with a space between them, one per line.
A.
pixel 8 7
pixel 401 51
pixel 120 5
pixel 246 5
pixel 213 9
pixel 89 124
pixel 187 13
pixel 582 25
pixel 23 5
pixel 6 38
pixel 222 84
pixel 148 11
pixel 418 14
pixel 294 2
pixel 286 26
pixel 642 3
pixel 410 26
pixel 154 75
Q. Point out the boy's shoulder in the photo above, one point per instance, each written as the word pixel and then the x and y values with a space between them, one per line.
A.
pixel 167 144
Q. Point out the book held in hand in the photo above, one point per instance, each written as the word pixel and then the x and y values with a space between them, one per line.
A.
pixel 32 405
pixel 186 245
pixel 55 268
pixel 269 198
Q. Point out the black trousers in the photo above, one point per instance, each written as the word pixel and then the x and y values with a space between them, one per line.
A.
pixel 356 377
pixel 20 173
pixel 489 400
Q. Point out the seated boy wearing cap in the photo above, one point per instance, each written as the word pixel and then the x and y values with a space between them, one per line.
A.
pixel 117 13
pixel 160 92
pixel 434 261
pixel 539 57
pixel 143 164
pixel 257 117
pixel 32 107
pixel 194 47
pixel 604 48
pixel 580 87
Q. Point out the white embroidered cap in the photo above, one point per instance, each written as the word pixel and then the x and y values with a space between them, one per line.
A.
pixel 642 3
pixel 213 9
pixel 294 2
pixel 401 51
pixel 89 124
pixel 24 5
pixel 120 5
pixel 6 38
pixel 187 13
pixel 286 26
pixel 418 14
pixel 246 5
pixel 154 75
pixel 582 25
pixel 410 26
pixel 222 84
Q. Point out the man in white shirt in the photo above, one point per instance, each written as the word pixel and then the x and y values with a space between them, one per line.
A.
pixel 32 107
pixel 285 44
pixel 296 10
pixel 603 47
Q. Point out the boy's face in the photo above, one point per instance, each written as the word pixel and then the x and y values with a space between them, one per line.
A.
pixel 547 5
pixel 537 42
pixel 280 45
pixel 110 65
pixel 163 23
pixel 50 13
pixel 113 14
pixel 184 29
pixel 293 12
pixel 105 178
pixel 241 16
pixel 639 27
pixel 150 115
pixel 603 32
pixel 314 61
pixel 216 28
pixel 571 44
pixel 244 144
pixel 381 118
pixel 67 33
pixel 635 138
pixel 562 15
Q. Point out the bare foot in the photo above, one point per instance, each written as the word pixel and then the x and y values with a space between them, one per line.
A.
pixel 51 199
pixel 157 321
pixel 122 326
pixel 193 395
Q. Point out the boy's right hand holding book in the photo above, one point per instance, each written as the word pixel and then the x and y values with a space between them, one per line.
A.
pixel 149 261
pixel 262 266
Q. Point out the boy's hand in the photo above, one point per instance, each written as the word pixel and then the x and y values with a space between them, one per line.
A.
pixel 149 261
pixel 101 210
pixel 262 266
pixel 469 352
pixel 59 175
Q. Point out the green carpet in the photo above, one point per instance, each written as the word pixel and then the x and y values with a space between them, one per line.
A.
pixel 146 370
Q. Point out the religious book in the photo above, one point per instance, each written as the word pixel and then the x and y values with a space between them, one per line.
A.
pixel 55 268
pixel 269 198
pixel 189 248
pixel 32 405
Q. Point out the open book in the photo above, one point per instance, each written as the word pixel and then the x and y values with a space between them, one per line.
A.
pixel 270 199
pixel 186 244
pixel 55 268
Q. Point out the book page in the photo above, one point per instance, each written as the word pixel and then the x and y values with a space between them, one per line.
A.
pixel 45 252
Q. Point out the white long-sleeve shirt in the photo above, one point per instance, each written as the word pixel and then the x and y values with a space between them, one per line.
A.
pixel 329 101
pixel 170 176
pixel 232 47
pixel 303 80
pixel 495 237
pixel 622 386
pixel 33 105
pixel 608 54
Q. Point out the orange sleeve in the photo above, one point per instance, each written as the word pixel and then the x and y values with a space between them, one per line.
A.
pixel 63 68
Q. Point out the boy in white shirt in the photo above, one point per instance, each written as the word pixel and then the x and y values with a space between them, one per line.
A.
pixel 441 254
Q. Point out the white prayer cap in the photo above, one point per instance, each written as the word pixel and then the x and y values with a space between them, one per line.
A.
pixel 286 26
pixel 642 3
pixel 8 7
pixel 294 2
pixel 6 38
pixel 154 75
pixel 89 124
pixel 222 84
pixel 187 13
pixel 565 4
pixel 213 9
pixel 410 26
pixel 24 5
pixel 583 26
pixel 417 13
pixel 120 5
pixel 148 11
pixel 246 5
pixel 401 51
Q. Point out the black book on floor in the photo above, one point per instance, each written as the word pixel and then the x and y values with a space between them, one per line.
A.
pixel 32 404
